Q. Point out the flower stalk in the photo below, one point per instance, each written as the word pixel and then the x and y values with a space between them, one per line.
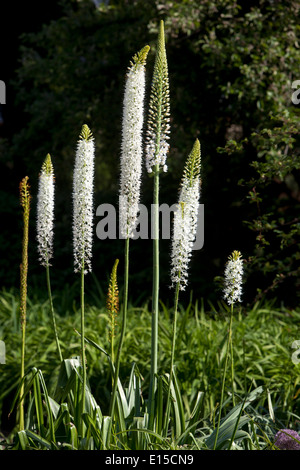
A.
pixel 184 235
pixel 45 221
pixel 25 198
pixel 232 294
pixel 121 340
pixel 130 181
pixel 157 148
pixel 112 304
pixel 83 228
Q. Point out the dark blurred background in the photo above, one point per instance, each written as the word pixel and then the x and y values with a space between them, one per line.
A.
pixel 231 69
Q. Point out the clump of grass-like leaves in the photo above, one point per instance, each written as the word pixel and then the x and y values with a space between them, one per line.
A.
pixel 199 360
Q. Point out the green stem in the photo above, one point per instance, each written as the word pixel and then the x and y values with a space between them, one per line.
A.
pixel 224 375
pixel 83 361
pixel 155 297
pixel 232 367
pixel 168 404
pixel 112 347
pixel 122 334
pixel 21 414
pixel 52 311
pixel 25 202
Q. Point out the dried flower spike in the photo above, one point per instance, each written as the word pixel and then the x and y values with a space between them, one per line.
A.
pixel 233 278
pixel 132 146
pixel 25 203
pixel 113 291
pixel 185 218
pixel 25 199
pixel 83 201
pixel 45 212
pixel 158 130
pixel 112 302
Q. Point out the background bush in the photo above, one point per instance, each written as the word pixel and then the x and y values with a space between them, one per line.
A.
pixel 231 72
pixel 231 67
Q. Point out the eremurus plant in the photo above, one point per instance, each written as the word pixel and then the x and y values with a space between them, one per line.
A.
pixel 45 222
pixel 83 186
pixel 130 181
pixel 157 147
pixel 25 198
pixel 184 235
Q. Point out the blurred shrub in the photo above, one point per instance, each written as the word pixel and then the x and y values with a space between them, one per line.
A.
pixel 231 66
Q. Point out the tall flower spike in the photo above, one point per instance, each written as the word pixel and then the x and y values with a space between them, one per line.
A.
pixel 233 278
pixel 83 201
pixel 132 148
pixel 25 199
pixel 159 109
pixel 185 218
pixel 45 212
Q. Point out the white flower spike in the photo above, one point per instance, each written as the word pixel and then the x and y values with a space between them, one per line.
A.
pixel 233 278
pixel 158 131
pixel 45 212
pixel 83 201
pixel 132 146
pixel 185 219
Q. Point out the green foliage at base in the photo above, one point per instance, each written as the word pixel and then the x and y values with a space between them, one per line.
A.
pixel 262 349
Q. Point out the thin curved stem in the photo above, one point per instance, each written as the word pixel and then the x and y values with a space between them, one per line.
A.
pixel 155 298
pixel 224 375
pixel 122 334
pixel 168 404
pixel 83 360
pixel 52 312
pixel 232 370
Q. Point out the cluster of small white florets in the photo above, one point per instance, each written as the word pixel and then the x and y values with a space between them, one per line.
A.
pixel 159 158
pixel 158 128
pixel 83 204
pixel 45 212
pixel 132 149
pixel 233 278
pixel 184 232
